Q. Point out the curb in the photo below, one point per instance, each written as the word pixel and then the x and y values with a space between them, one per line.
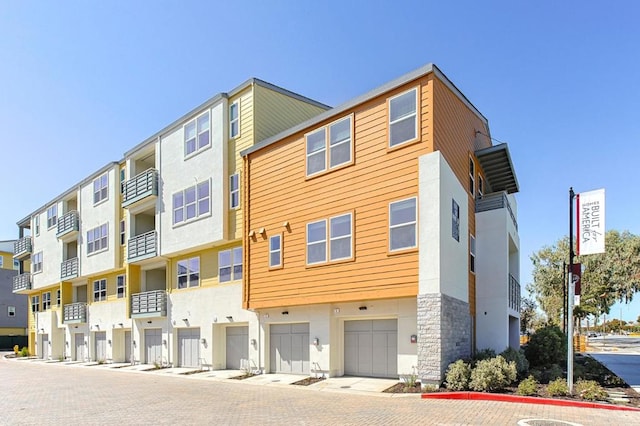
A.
pixel 481 396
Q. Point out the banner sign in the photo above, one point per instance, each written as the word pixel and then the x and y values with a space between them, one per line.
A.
pixel 590 218
pixel 576 275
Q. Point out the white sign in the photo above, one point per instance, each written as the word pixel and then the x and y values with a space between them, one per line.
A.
pixel 590 212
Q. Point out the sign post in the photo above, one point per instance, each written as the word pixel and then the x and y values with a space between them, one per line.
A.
pixel 570 294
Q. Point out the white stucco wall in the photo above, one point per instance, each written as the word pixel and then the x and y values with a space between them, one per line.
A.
pixel 178 173
pixel 47 243
pixel 443 260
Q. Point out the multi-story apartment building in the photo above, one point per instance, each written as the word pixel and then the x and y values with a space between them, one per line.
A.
pixel 142 261
pixel 381 236
pixel 13 307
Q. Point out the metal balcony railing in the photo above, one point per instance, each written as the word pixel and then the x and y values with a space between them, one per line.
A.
pixel 514 293
pixel 69 222
pixel 142 246
pixel 22 247
pixel 22 282
pixel 141 186
pixel 494 201
pixel 75 313
pixel 69 268
pixel 149 304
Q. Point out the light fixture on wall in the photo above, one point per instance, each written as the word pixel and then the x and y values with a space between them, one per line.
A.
pixel 109 341
pixel 285 312
pixel 149 322
pixel 363 308
pixel 230 318
pixel 164 342
pixel 336 311
pixel 203 341
pixel 42 330
pixel 185 319
pixel 265 316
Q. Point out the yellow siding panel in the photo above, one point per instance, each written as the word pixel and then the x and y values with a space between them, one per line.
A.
pixel 7 260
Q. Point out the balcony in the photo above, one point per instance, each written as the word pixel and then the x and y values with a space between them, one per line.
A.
pixel 75 313
pixel 142 247
pixel 514 293
pixel 68 226
pixel 494 201
pixel 22 282
pixel 22 248
pixel 149 304
pixel 69 269
pixel 140 187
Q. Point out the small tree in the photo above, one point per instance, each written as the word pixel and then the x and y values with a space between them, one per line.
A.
pixel 547 346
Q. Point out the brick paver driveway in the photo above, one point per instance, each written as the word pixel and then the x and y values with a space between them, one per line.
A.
pixel 51 394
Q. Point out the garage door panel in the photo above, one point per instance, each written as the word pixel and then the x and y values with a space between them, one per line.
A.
pixel 289 348
pixel 79 341
pixel 237 346
pixel 101 345
pixel 371 348
pixel 153 345
pixel 189 347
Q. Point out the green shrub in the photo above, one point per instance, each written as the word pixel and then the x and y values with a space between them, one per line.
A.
pixel 558 387
pixel 458 375
pixel 590 390
pixel 492 374
pixel 517 356
pixel 548 345
pixel 24 351
pixel 528 386
pixel 483 354
pixel 553 372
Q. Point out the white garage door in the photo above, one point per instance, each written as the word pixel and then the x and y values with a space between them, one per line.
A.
pixel 371 348
pixel 45 346
pixel 237 347
pixel 189 347
pixel 153 345
pixel 289 348
pixel 101 346
pixel 79 340
pixel 127 346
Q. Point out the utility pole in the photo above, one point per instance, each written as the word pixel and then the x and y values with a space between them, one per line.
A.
pixel 570 298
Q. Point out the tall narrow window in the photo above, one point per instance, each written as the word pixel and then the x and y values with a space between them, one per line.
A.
pixel 100 188
pixel 52 216
pixel 120 286
pixel 230 265
pixel 275 251
pixel 122 232
pixel 234 191
pixel 403 122
pixel 340 231
pixel 455 220
pixel 403 224
pixel 234 119
pixel 36 224
pixel 100 290
pixel 316 152
pixel 46 301
pixel 340 142
pixel 35 303
pixel 189 272
pixel 58 297
pixel 197 134
pixel 317 242
pixel 472 253
pixel 472 176
pixel 122 180
pixel 237 263
pixel 36 262
pixel 480 187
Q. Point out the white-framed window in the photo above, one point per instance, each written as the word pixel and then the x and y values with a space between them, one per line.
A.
pixel 403 221
pixel 403 120
pixel 52 216
pixel 120 286
pixel 340 232
pixel 275 251
pixel 123 175
pixel 472 176
pixel 11 311
pixel 189 272
pixel 230 265
pixel 58 297
pixel 46 301
pixel 100 188
pixel 455 220
pixel 36 262
pixel 317 242
pixel 331 144
pixel 36 224
pixel 192 203
pixel 122 233
pixel 197 134
pixel 35 303
pixel 234 191
pixel 100 290
pixel 472 253
pixel 480 186
pixel 98 239
pixel 234 119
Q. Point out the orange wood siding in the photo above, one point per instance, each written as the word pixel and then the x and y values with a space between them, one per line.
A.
pixel 280 192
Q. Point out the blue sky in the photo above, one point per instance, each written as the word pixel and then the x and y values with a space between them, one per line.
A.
pixel 82 82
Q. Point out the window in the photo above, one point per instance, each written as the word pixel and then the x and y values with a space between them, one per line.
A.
pixel 35 303
pixel 230 265
pixel 472 253
pixel 234 119
pixel 455 220
pixel 46 301
pixel 16 264
pixel 403 224
pixel 11 311
pixel 120 286
pixel 1 261
pixel 191 203
pixel 403 123
pixel 189 272
pixel 97 239
pixel 472 175
pixel 36 224
pixel 480 187
pixel 122 180
pixel 122 233
pixel 196 134
pixel 100 188
pixel 234 191
pixel 100 290
pixel 275 251
pixel 338 234
pixel 52 216
pixel 36 262
pixel 58 297
pixel 338 148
